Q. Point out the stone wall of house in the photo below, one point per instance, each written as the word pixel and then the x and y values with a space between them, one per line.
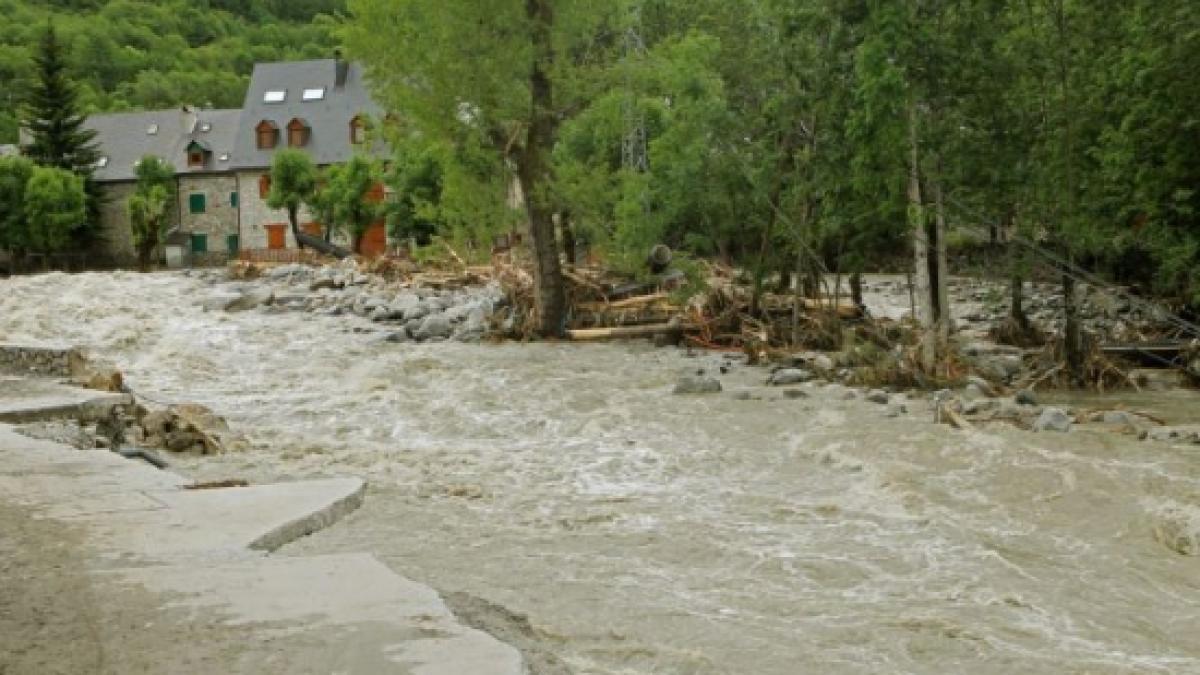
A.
pixel 256 215
pixel 116 235
pixel 219 219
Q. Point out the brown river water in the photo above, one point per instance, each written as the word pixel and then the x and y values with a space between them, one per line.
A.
pixel 642 532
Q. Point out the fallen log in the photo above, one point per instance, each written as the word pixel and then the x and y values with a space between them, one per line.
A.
pixel 628 303
pixel 323 246
pixel 624 332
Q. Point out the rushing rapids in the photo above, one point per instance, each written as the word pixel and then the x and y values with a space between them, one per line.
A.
pixel 642 532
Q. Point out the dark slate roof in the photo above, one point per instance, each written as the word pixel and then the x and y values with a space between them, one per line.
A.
pixel 124 138
pixel 328 118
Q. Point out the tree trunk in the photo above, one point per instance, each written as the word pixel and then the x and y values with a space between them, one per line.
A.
pixel 944 318
pixel 856 289
pixel 1016 288
pixel 920 237
pixel 568 236
pixel 533 172
pixel 294 218
pixel 1072 337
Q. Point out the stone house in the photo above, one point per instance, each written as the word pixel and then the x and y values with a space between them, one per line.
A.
pixel 321 107
pixel 222 159
pixel 199 145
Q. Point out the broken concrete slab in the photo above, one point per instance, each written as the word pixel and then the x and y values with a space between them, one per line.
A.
pixel 32 400
pixel 366 619
pixel 200 557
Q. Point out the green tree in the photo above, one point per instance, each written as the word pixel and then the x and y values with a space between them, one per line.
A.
pixel 55 209
pixel 52 116
pixel 415 178
pixel 15 173
pixel 149 207
pixel 293 181
pixel 497 72
pixel 347 197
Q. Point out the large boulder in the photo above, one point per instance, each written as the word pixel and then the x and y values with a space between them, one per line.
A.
pixel 255 297
pixel 1053 419
pixel 420 310
pixel 433 327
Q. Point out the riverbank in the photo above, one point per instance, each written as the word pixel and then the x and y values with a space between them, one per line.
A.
pixel 638 531
pixel 112 566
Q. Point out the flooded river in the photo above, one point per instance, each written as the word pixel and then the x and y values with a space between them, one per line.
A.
pixel 642 532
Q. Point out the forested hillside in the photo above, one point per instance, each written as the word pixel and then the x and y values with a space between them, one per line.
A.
pixel 158 53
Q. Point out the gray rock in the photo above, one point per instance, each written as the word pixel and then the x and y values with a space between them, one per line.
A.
pixel 982 385
pixel 698 384
pixel 398 337
pixel 1053 419
pixel 795 394
pixel 878 396
pixel 1119 417
pixel 1178 434
pixel 250 299
pixel 434 326
pixel 1026 397
pixel 786 376
pixel 417 311
pixel 324 283
pixel 973 391
pixel 1002 367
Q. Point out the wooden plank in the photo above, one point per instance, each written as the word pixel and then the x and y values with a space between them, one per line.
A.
pixel 623 332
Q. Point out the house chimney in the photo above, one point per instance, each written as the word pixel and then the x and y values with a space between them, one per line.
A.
pixel 343 68
pixel 190 119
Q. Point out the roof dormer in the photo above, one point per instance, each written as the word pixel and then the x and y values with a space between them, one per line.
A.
pixel 266 135
pixel 298 133
pixel 198 155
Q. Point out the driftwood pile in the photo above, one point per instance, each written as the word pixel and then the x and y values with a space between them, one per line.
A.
pixel 605 305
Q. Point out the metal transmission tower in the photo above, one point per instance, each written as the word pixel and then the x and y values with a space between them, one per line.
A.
pixel 633 144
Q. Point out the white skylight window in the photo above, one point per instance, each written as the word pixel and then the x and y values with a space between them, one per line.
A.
pixel 314 94
pixel 224 157
pixel 205 127
pixel 275 96
pixel 102 162
pixel 152 130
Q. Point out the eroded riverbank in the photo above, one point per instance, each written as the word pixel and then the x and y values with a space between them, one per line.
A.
pixel 642 532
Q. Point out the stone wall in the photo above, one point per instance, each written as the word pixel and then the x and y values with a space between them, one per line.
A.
pixel 256 215
pixel 220 217
pixel 115 232
pixel 45 360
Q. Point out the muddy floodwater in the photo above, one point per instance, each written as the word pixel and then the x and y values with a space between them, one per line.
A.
pixel 641 532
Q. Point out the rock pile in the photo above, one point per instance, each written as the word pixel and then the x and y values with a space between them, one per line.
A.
pixel 419 314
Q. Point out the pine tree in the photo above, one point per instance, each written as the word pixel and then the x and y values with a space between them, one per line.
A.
pixel 52 114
